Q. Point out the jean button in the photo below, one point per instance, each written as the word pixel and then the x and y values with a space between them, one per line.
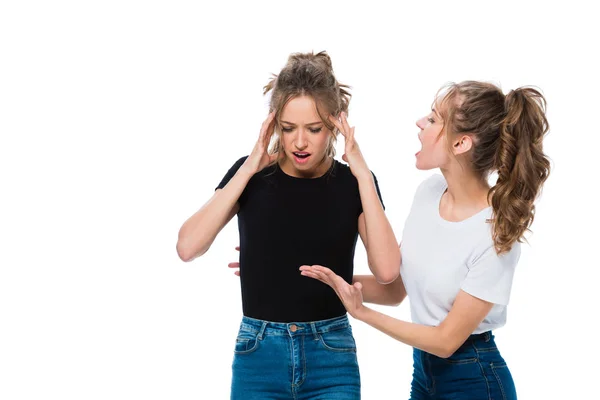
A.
pixel 293 328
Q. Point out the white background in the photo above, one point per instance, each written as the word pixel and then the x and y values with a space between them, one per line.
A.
pixel 118 119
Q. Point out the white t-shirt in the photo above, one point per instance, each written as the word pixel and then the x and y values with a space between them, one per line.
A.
pixel 440 257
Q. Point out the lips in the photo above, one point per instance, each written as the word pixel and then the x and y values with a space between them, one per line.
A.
pixel 301 157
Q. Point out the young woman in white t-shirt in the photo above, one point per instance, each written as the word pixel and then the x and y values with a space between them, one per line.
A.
pixel 461 240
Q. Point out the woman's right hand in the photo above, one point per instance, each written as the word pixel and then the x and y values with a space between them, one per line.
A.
pixel 260 158
pixel 235 264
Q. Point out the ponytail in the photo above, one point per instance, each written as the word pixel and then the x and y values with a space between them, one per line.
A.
pixel 521 164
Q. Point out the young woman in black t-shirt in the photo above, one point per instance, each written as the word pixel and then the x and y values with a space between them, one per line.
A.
pixel 297 205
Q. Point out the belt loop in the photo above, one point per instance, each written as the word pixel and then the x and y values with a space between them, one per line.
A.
pixel 314 330
pixel 487 336
pixel 262 330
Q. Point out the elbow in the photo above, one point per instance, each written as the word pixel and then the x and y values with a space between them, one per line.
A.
pixel 390 270
pixel 386 279
pixel 388 275
pixel 445 352
pixel 187 252
pixel 446 347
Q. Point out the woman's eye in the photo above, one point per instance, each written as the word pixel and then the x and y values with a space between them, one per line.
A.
pixel 285 129
pixel 317 130
pixel 431 120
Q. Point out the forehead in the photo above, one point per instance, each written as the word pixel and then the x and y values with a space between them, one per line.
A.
pixel 300 109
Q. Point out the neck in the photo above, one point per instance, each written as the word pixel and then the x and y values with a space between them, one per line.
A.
pixel 466 194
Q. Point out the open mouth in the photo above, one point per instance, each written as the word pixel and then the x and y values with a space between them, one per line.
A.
pixel 301 156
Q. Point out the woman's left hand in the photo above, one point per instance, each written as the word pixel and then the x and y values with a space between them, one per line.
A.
pixel 350 295
pixel 352 154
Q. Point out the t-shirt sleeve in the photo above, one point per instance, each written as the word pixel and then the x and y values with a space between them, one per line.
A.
pixel 490 276
pixel 378 194
pixel 231 172
pixel 378 191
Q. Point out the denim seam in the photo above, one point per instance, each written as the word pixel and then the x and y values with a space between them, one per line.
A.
pixel 487 384
pixel 499 381
pixel 248 351
pixel 460 362
pixel 346 350
pixel 291 364
pixel 487 349
pixel 431 389
pixel 303 362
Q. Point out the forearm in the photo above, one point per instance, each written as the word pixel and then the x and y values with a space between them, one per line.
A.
pixel 381 244
pixel 374 292
pixel 200 230
pixel 427 338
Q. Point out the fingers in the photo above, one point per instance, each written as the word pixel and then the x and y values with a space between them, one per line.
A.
pixel 337 124
pixel 233 265
pixel 267 126
pixel 358 285
pixel 349 131
pixel 323 274
pixel 309 272
pixel 237 248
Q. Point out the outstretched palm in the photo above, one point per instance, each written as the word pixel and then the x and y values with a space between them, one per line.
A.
pixel 350 295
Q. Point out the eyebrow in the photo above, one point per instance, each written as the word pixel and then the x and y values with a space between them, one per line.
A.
pixel 312 123
pixel 435 112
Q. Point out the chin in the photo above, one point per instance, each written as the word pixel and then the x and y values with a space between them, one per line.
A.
pixel 422 167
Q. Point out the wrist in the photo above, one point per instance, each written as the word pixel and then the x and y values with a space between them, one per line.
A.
pixel 246 171
pixel 364 176
pixel 361 313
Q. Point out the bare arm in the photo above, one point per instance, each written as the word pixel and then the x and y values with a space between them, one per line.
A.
pixel 442 340
pixel 200 230
pixel 377 234
pixel 390 294
pixel 375 229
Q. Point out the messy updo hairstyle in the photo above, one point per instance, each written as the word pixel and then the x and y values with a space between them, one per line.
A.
pixel 308 74
pixel 507 133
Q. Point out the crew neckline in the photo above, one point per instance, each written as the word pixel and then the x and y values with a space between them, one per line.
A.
pixel 316 178
pixel 484 213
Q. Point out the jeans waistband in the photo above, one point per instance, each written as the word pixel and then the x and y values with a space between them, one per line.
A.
pixel 480 337
pixel 294 328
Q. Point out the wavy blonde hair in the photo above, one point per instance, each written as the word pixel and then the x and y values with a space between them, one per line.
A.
pixel 308 74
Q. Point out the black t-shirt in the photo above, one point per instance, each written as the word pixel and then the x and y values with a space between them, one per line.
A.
pixel 285 222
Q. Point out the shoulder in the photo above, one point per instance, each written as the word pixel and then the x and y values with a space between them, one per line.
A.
pixel 343 171
pixel 432 186
pixel 486 250
pixel 240 161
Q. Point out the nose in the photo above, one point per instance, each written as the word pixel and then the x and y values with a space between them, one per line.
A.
pixel 301 141
pixel 421 123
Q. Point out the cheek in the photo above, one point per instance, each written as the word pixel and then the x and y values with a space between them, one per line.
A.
pixel 320 142
pixel 286 140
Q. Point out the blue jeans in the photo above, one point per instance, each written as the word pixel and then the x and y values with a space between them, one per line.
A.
pixel 476 371
pixel 301 360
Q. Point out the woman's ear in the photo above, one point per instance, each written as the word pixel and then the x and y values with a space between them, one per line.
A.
pixel 462 144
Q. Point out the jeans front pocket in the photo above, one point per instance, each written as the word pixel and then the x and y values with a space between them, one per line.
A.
pixel 246 341
pixel 338 340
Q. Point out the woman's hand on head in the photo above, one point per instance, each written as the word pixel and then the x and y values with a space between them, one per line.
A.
pixel 352 154
pixel 260 157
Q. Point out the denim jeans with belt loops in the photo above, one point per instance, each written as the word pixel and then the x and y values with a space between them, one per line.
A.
pixel 299 361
